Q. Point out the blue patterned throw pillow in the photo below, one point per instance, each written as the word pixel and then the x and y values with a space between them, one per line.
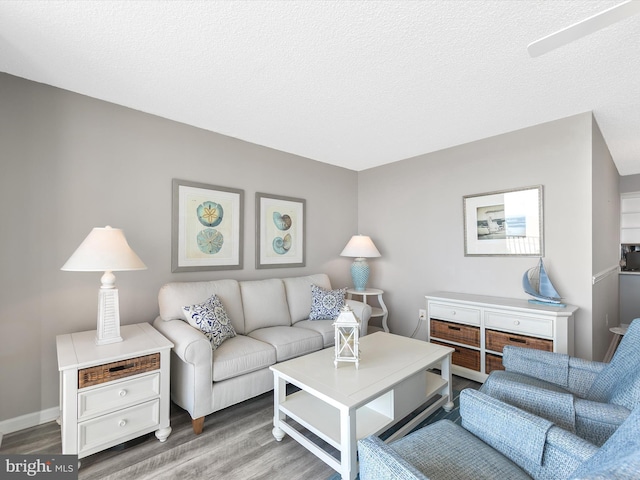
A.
pixel 326 304
pixel 211 318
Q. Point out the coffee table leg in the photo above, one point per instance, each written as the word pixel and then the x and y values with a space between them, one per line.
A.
pixel 279 393
pixel 445 372
pixel 348 445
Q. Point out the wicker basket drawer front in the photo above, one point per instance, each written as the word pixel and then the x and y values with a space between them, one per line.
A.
pixel 113 371
pixel 456 332
pixel 454 313
pixel 497 340
pixel 537 327
pixel 464 357
pixel 492 362
pixel 115 395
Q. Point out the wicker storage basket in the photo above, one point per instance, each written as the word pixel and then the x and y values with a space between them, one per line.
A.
pixel 456 332
pixel 492 362
pixel 115 370
pixel 464 357
pixel 497 340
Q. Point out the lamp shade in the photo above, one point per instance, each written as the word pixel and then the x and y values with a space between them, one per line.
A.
pixel 104 249
pixel 360 246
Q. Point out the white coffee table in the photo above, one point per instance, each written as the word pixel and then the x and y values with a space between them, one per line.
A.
pixel 344 404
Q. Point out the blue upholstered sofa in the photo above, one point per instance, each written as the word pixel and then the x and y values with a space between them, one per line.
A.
pixel 500 441
pixel 589 398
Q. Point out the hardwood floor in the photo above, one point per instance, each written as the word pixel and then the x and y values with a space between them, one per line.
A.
pixel 236 444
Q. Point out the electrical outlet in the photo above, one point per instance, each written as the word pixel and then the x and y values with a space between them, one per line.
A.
pixel 422 314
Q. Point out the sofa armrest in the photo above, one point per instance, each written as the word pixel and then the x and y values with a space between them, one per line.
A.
pixel 572 373
pixel 503 426
pixel 551 367
pixel 596 421
pixel 556 406
pixel 191 366
pixel 582 374
pixel 190 345
pixel 378 461
pixel 534 444
pixel 363 312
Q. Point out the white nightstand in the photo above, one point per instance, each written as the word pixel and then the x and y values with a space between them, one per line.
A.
pixel 110 394
pixel 380 311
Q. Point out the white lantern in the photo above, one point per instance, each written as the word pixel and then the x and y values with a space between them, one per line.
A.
pixel 347 328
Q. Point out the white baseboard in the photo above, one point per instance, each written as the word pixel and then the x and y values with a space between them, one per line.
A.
pixel 29 420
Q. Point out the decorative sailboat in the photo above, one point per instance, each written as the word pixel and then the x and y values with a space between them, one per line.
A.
pixel 536 283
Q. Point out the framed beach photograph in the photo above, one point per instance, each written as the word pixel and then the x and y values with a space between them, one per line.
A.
pixel 207 225
pixel 280 231
pixel 504 223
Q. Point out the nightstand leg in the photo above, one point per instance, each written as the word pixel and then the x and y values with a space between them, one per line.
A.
pixel 163 434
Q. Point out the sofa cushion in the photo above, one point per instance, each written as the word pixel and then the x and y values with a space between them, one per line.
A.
pixel 240 355
pixel 211 318
pixel 175 295
pixel 265 304
pixel 289 342
pixel 299 294
pixel 326 304
pixel 323 327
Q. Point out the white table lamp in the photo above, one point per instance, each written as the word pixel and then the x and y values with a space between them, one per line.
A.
pixel 105 250
pixel 361 247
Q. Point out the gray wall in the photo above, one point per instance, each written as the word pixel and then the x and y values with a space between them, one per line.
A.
pixel 70 163
pixel 606 243
pixel 426 253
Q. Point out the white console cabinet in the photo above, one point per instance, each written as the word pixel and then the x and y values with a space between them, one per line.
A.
pixel 478 327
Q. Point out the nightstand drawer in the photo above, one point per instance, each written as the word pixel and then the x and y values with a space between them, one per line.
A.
pixel 116 370
pixel 108 430
pixel 537 327
pixel 117 395
pixel 496 341
pixel 454 313
pixel 455 332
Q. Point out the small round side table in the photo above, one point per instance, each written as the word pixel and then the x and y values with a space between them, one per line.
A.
pixel 376 312
pixel 618 333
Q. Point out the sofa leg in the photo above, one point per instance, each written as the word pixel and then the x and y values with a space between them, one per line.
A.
pixel 198 424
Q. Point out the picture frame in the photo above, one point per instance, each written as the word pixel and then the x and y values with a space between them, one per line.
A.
pixel 280 231
pixel 504 223
pixel 207 227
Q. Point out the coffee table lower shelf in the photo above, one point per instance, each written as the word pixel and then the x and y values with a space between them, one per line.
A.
pixel 324 420
pixel 374 418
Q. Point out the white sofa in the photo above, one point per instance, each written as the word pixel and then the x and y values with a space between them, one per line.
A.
pixel 270 318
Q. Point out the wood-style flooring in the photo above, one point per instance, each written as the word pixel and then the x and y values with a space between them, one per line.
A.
pixel 236 444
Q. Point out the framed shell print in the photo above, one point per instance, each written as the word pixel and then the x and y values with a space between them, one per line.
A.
pixel 207 225
pixel 280 231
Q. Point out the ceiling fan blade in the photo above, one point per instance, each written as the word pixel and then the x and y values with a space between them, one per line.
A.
pixel 584 27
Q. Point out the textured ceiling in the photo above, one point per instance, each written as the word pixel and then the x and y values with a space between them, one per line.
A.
pixel 350 83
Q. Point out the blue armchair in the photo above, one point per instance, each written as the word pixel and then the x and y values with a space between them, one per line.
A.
pixel 590 399
pixel 498 440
